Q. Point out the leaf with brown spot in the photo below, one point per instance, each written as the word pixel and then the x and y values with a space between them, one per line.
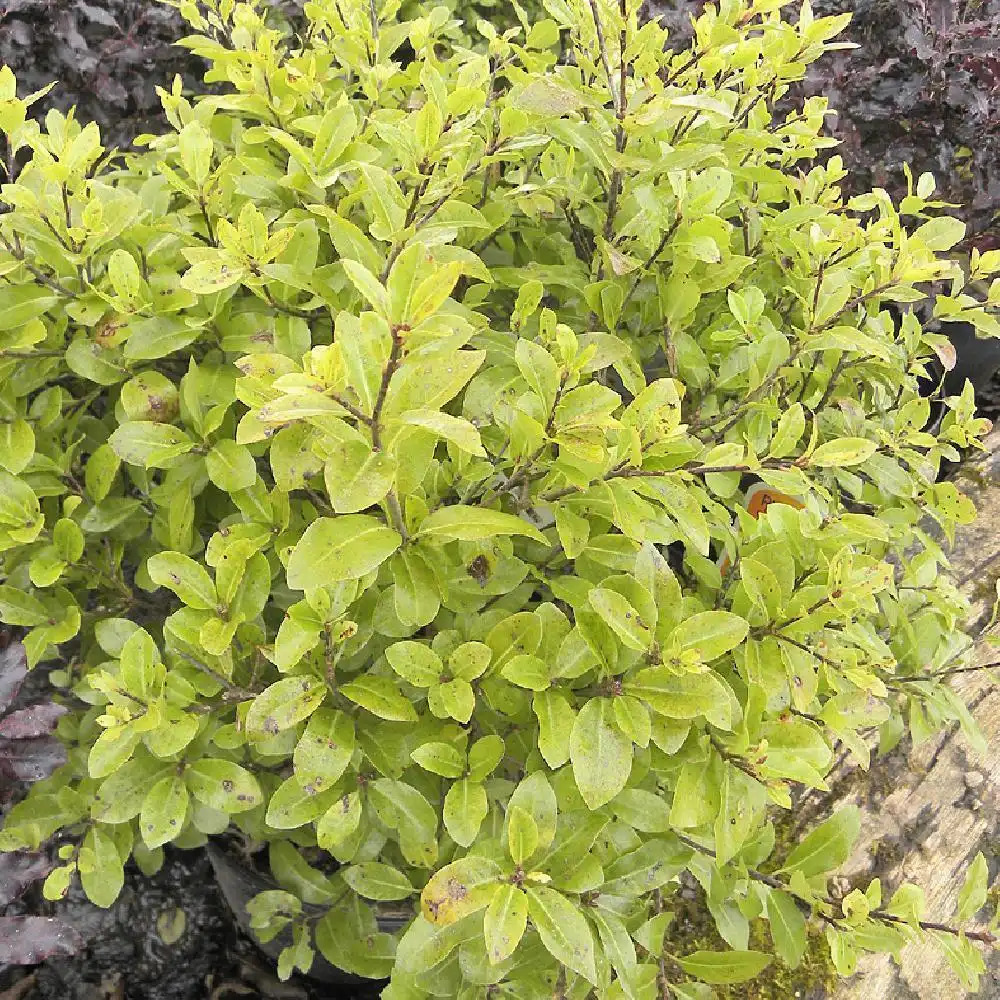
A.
pixel 284 704
pixel 458 889
pixel 505 922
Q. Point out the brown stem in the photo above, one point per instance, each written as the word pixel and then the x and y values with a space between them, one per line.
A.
pixel 775 883
pixel 395 356
pixel 358 414
pixel 632 473
pixel 946 673
pixel 396 513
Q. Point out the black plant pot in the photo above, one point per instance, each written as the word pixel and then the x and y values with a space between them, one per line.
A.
pixel 976 359
pixel 239 884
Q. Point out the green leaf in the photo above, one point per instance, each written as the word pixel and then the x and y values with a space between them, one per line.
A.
pixel 842 453
pixel 210 276
pixel 20 304
pixel 374 880
pixel 633 719
pixel 283 704
pixel 788 927
pixel 647 868
pixel 459 432
pixel 563 930
pixel 19 608
pixel 341 548
pixel 522 835
pixel 761 585
pixel 535 796
pixel 972 896
pixel 294 872
pixel 102 874
pixel 791 427
pixel 683 696
pixel 231 467
pixel 941 233
pixel 149 444
pixel 828 846
pixel 458 889
pixel 325 748
pixel 527 671
pixel 138 661
pixel 196 148
pixel 339 822
pixel 291 806
pixel 163 811
pixel 368 285
pixel 122 793
pixel 619 614
pixel 470 660
pixel 709 633
pixel 186 578
pixel 617 945
pixel 425 945
pixel 601 754
pixel 357 477
pixel 110 750
pixel 504 923
pixel 440 758
pixel 471 524
pixel 555 725
pixel 454 699
pixel 643 811
pixel 415 662
pixel 465 808
pixel 222 785
pixel 573 530
pixel 417 595
pixel 380 696
pixel 539 370
pixel 725 966
pixel 735 816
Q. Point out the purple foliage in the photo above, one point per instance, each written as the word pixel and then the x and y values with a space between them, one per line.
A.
pixel 17 871
pixel 30 940
pixel 28 752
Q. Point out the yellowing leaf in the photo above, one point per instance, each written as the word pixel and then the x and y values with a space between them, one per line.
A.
pixel 341 548
pixel 843 452
pixel 470 524
pixel 458 889
pixel 505 922
pixel 601 754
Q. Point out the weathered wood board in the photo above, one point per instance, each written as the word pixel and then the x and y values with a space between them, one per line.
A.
pixel 926 812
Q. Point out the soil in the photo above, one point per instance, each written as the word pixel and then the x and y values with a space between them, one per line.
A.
pixel 168 937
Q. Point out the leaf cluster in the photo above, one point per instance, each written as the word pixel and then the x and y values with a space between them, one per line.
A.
pixel 374 450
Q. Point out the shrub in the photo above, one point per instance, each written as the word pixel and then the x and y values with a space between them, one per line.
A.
pixel 374 449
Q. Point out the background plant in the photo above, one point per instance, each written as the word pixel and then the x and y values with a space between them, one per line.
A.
pixel 28 753
pixel 371 444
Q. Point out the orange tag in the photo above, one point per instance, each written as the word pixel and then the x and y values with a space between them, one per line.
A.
pixel 758 498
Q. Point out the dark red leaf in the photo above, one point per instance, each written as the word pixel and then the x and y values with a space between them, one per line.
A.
pixel 30 940
pixel 13 670
pixel 36 720
pixel 18 870
pixel 32 759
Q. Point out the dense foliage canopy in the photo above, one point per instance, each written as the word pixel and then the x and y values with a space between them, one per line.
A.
pixel 374 447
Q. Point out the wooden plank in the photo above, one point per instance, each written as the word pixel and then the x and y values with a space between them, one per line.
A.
pixel 927 811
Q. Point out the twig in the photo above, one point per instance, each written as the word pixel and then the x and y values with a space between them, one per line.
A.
pixel 775 883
